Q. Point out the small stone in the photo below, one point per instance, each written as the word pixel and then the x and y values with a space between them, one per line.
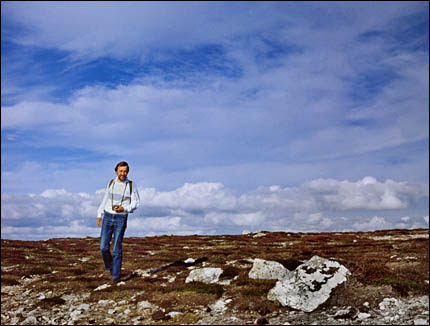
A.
pixel 363 315
pixel 267 270
pixel 31 320
pixel 144 305
pixel 205 275
pixel 14 320
pixel 343 313
pixel 174 313
pixel 102 287
pixel 388 303
pixel 189 261
pixel 75 315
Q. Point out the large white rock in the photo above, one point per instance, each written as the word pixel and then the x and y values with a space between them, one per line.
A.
pixel 205 275
pixel 268 270
pixel 309 285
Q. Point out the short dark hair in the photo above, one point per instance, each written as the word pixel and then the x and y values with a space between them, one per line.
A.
pixel 122 163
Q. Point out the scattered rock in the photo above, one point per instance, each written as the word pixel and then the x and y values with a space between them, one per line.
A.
pixel 309 285
pixel 172 314
pixel 36 299
pixel 102 287
pixel 420 321
pixel 363 315
pixel 221 305
pixel 268 270
pixel 205 275
pixel 75 314
pixel 31 320
pixel 344 313
pixel 84 306
pixel 388 303
pixel 144 305
pixel 189 261
pixel 105 302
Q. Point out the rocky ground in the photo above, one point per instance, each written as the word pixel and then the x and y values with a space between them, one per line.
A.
pixel 62 281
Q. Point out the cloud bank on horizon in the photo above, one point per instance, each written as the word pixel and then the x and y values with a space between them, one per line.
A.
pixel 281 116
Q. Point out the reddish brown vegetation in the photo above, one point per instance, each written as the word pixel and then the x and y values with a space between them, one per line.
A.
pixel 399 266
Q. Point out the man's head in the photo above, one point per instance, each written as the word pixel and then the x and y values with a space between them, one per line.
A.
pixel 121 170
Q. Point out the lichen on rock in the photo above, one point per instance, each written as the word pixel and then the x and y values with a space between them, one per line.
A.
pixel 309 285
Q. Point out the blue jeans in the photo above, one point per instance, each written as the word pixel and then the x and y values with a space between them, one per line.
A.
pixel 113 224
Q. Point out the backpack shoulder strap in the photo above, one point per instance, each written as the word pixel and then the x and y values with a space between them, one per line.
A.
pixel 131 188
pixel 110 183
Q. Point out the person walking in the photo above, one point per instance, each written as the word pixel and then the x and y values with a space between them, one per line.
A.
pixel 121 198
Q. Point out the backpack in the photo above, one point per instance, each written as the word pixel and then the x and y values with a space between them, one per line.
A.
pixel 130 183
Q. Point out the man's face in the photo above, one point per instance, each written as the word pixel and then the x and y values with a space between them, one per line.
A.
pixel 122 173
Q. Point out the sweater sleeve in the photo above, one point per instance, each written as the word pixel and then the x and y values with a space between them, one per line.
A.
pixel 101 209
pixel 135 200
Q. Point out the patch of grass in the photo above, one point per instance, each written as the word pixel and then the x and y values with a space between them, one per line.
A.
pixel 318 238
pixel 50 302
pixel 77 271
pixel 229 272
pixel 181 301
pixel 38 270
pixel 196 287
pixel 257 288
pixel 9 280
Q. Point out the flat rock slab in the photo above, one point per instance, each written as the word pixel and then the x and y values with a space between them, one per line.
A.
pixel 309 285
pixel 268 270
pixel 205 275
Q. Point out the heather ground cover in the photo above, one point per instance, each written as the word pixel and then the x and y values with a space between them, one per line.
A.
pixel 392 263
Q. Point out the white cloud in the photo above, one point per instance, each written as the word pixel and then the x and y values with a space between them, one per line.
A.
pixel 374 223
pixel 73 229
pixel 35 114
pixel 365 194
pixel 128 28
pixel 227 219
pixel 121 29
pixel 204 195
pixel 205 207
pixel 151 224
pixel 298 108
pixel 291 110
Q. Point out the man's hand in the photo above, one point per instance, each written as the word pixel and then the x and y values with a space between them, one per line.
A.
pixel 99 221
pixel 119 209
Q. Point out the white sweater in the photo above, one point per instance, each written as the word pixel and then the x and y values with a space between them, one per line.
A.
pixel 121 192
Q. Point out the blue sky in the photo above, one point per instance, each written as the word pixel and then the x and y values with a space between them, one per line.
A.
pixel 279 116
